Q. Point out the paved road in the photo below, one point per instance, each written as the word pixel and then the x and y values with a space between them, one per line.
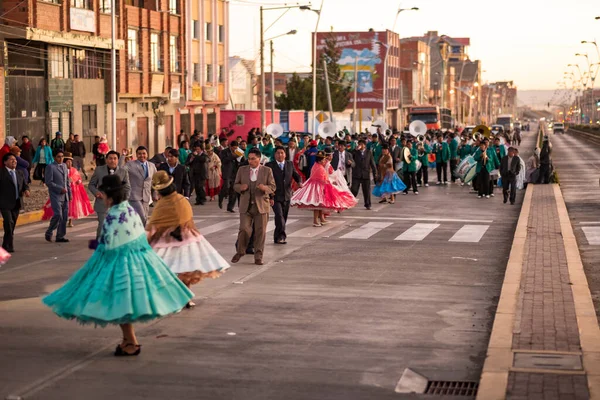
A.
pixel 338 313
pixel 577 161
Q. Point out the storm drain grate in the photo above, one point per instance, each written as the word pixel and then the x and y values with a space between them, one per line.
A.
pixel 452 388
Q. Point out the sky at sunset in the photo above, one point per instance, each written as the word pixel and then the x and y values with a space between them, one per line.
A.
pixel 528 41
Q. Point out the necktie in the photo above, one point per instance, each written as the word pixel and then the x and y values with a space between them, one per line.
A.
pixel 145 170
pixel 14 178
pixel 281 165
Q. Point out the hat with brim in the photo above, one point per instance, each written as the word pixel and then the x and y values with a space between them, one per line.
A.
pixel 67 156
pixel 161 180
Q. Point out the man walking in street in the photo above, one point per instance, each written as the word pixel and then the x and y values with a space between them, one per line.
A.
pixel 229 169
pixel 13 186
pixel 256 184
pixel 140 178
pixel 111 168
pixel 510 166
pixel 180 176
pixel 78 151
pixel 198 164
pixel 363 166
pixel 343 161
pixel 283 173
pixel 59 190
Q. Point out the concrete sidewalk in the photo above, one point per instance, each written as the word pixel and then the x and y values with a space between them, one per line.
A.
pixel 545 343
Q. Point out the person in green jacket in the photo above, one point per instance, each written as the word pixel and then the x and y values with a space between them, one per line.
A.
pixel 184 152
pixel 266 148
pixel 465 149
pixel 423 150
pixel 454 159
pixel 410 169
pixel 375 147
pixel 251 145
pixel 442 156
pixel 486 163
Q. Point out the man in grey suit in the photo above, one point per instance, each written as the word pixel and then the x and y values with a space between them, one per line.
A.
pixel 140 179
pixel 59 190
pixel 111 168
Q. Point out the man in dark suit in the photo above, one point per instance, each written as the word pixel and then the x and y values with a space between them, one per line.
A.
pixel 198 164
pixel 347 162
pixel 363 165
pixel 229 168
pixel 177 171
pixel 160 157
pixel 13 187
pixel 510 166
pixel 283 172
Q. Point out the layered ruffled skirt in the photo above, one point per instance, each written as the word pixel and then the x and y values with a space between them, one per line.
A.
pixel 322 195
pixel 192 259
pixel 391 184
pixel 127 284
pixel 79 205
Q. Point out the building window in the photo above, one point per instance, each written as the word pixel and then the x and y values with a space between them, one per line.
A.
pixel 174 7
pixel 208 31
pixel 105 6
pixel 173 54
pixel 89 120
pixel 197 73
pixel 86 4
pixel 209 73
pixel 221 74
pixel 86 64
pixel 155 61
pixel 133 60
pixel 196 29
pixel 58 57
pixel 221 34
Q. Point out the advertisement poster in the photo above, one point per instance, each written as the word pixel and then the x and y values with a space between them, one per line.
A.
pixel 366 49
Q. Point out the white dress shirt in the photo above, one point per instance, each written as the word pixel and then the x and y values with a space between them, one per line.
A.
pixel 254 174
pixel 342 161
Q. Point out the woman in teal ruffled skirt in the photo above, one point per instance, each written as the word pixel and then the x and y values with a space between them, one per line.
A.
pixel 124 281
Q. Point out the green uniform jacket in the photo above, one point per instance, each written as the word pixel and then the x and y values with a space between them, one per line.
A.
pixel 442 152
pixel 425 157
pixel 250 147
pixel 502 151
pixel 267 150
pixel 376 150
pixel 453 149
pixel 465 151
pixel 412 167
pixel 492 162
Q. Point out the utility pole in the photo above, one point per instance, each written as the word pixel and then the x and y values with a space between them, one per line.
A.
pixel 328 90
pixel 272 87
pixel 113 77
pixel 355 111
pixel 263 113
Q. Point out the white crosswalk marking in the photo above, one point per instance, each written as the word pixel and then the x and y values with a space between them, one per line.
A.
pixel 417 232
pixel 592 234
pixel 271 226
pixel 469 234
pixel 313 231
pixel 29 228
pixel 219 227
pixel 367 230
pixel 76 228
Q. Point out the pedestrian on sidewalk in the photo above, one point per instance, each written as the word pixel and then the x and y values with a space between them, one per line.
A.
pixel 110 168
pixel 13 187
pixel 284 174
pixel 43 157
pixel 124 281
pixel 256 184
pixel 510 167
pixel 78 151
pixel 545 161
pixel 59 190
pixel 27 153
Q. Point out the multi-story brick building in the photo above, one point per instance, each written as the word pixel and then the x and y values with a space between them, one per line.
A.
pixel 58 68
pixel 207 65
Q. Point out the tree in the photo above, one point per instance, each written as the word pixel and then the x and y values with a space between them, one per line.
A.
pixel 298 96
pixel 340 87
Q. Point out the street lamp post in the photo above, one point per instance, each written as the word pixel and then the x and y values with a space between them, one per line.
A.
pixel 113 76
pixel 593 76
pixel 399 64
pixel 587 59
pixel 263 96
pixel 314 62
pixel 385 81
pixel 292 32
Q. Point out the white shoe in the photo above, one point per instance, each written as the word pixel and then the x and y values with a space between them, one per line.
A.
pixel 487 196
pixel 462 184
pixel 416 193
pixel 446 182
pixel 492 194
pixel 439 183
pixel 419 185
pixel 404 193
pixel 427 185
pixel 478 197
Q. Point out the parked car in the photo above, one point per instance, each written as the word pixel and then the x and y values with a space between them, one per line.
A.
pixel 558 127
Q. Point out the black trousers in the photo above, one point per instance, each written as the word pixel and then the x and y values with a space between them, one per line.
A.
pixel 453 164
pixel 227 191
pixel 442 168
pixel 366 189
pixel 509 185
pixel 544 173
pixel 410 180
pixel 10 221
pixel 484 182
pixel 200 189
pixel 423 175
pixel 281 210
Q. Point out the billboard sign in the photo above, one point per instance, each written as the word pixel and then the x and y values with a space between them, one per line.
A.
pixel 364 48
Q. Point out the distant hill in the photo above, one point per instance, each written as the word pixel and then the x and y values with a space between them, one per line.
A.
pixel 537 99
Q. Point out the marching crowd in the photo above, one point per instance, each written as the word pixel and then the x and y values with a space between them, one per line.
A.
pixel 138 255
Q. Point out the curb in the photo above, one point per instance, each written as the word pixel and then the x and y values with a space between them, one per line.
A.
pixel 494 376
pixel 28 218
pixel 587 322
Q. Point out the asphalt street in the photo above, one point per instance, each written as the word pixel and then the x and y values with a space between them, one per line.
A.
pixel 338 313
pixel 578 165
